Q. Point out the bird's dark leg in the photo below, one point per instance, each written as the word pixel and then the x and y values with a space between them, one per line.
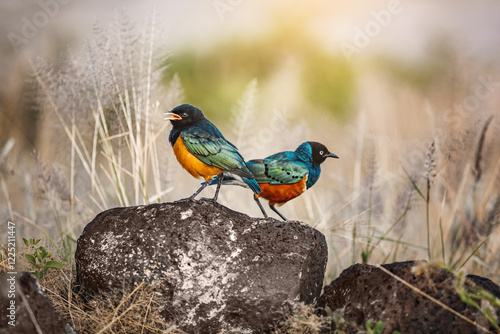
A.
pixel 260 206
pixel 204 185
pixel 219 183
pixel 279 214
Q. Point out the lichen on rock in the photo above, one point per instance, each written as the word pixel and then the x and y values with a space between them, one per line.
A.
pixel 215 269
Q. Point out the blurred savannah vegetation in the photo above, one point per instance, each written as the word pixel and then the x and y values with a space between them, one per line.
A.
pixel 214 78
pixel 81 131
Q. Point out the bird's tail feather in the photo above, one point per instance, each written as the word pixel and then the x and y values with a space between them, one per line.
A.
pixel 238 181
pixel 252 184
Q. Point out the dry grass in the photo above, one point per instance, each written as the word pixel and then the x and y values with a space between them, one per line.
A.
pixel 138 311
pixel 130 311
pixel 304 320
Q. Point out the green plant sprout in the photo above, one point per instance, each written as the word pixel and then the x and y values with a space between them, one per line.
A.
pixel 40 258
pixel 378 328
pixel 338 319
pixel 475 298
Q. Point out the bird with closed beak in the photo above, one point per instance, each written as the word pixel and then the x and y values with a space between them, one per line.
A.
pixel 286 175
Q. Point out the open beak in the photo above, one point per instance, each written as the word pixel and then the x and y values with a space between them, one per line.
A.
pixel 332 155
pixel 170 116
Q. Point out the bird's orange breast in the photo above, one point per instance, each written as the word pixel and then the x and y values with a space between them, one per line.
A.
pixel 281 193
pixel 192 164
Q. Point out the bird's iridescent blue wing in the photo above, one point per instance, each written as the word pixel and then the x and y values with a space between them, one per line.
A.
pixel 274 171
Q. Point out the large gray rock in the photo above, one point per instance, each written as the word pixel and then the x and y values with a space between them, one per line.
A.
pixel 215 269
pixel 364 292
pixel 32 311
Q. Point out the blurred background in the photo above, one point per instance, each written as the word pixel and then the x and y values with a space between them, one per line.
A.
pixel 407 93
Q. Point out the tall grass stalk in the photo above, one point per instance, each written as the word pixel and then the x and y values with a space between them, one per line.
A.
pixel 427 218
pixel 356 183
pixel 6 195
pixel 471 254
pixel 430 165
pixel 366 253
pixel 441 234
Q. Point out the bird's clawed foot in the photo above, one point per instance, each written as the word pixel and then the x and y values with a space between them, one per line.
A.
pixel 203 186
pixel 190 198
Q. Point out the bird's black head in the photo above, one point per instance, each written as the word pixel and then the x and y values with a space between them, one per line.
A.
pixel 184 115
pixel 319 152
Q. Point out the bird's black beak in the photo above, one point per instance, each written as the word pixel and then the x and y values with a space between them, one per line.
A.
pixel 331 155
pixel 170 116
